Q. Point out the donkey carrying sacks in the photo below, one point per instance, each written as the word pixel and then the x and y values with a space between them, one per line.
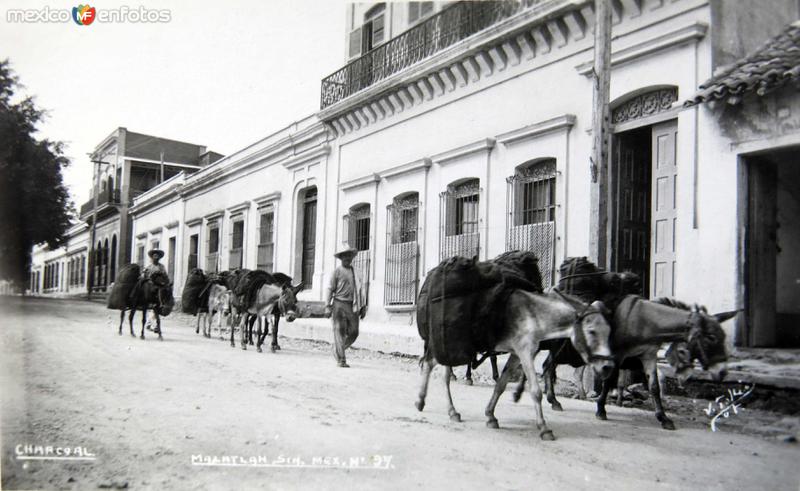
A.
pixel 124 283
pixel 461 308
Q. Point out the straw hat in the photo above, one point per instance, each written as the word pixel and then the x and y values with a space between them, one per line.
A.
pixel 348 252
pixel 158 253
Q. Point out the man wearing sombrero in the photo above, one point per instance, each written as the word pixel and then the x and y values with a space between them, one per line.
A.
pixel 346 304
pixel 155 256
pixel 154 266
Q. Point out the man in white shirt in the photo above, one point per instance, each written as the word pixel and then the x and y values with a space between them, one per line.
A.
pixel 346 304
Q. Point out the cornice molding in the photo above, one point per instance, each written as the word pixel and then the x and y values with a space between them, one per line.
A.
pixel 484 144
pixel 267 199
pixel 172 224
pixel 407 168
pixel 239 207
pixel 194 221
pixel 214 215
pixel 555 124
pixel 691 32
pixel 296 161
pixel 360 181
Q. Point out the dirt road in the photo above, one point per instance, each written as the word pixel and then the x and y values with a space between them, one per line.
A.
pixel 146 409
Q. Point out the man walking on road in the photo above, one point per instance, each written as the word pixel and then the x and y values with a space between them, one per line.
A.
pixel 346 303
pixel 154 266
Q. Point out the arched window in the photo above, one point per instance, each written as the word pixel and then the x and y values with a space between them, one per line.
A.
pixel 401 275
pixel 357 227
pixel 113 258
pixel 460 219
pixel 535 192
pixel 105 262
pixel 531 213
pixel 403 218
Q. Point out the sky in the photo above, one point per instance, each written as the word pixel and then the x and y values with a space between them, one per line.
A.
pixel 219 74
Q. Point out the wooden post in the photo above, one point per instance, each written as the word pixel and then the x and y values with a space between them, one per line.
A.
pixel 598 226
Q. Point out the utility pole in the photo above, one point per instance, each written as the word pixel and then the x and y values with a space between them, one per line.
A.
pixel 598 226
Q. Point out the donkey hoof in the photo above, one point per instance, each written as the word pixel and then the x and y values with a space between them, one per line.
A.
pixel 120 333
pixel 160 338
pixel 547 435
pixel 233 345
pixel 420 405
pixel 273 349
pixel 493 424
pixel 468 381
pixel 244 347
pixel 667 424
pixel 556 406
pixel 601 416
pixel 258 348
pixel 455 417
pixel 141 337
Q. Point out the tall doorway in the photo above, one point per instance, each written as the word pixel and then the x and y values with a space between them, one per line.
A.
pixel 771 242
pixel 643 206
pixel 309 235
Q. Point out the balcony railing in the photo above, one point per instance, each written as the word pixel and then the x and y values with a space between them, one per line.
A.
pixel 108 196
pixel 446 28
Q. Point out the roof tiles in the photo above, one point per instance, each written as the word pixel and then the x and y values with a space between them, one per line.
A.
pixel 770 67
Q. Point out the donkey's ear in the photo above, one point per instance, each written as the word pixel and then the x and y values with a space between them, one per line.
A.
pixel 297 289
pixel 723 316
pixel 475 259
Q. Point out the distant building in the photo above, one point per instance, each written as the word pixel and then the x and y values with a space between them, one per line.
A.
pixel 126 164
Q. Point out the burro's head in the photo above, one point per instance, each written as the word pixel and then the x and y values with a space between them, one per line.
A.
pixel 590 337
pixel 706 342
pixel 287 302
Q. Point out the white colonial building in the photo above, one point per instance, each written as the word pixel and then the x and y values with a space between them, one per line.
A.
pixel 465 128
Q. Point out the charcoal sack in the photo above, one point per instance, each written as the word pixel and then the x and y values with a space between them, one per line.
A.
pixel 194 286
pixel 124 284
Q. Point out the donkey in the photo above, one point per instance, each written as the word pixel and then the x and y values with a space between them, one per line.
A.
pixel 154 293
pixel 219 302
pixel 269 299
pixel 640 328
pixel 530 319
pixel 280 280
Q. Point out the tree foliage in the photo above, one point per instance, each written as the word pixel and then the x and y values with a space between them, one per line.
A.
pixel 34 202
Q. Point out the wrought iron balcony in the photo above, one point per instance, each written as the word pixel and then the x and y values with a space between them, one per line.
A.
pixel 444 29
pixel 106 197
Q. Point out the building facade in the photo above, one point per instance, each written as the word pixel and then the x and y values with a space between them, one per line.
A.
pixel 465 128
pixel 125 165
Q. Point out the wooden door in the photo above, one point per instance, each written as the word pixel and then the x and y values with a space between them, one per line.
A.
pixel 761 247
pixel 309 236
pixel 631 204
pixel 664 206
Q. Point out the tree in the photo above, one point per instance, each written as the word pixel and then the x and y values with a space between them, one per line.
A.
pixel 34 202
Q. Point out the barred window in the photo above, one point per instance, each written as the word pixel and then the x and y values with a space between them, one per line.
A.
pixel 536 192
pixel 194 245
pixel 213 239
pixel 404 216
pixel 463 208
pixel 266 241
pixel 357 223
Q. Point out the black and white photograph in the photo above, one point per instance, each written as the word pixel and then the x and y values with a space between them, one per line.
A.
pixel 476 244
